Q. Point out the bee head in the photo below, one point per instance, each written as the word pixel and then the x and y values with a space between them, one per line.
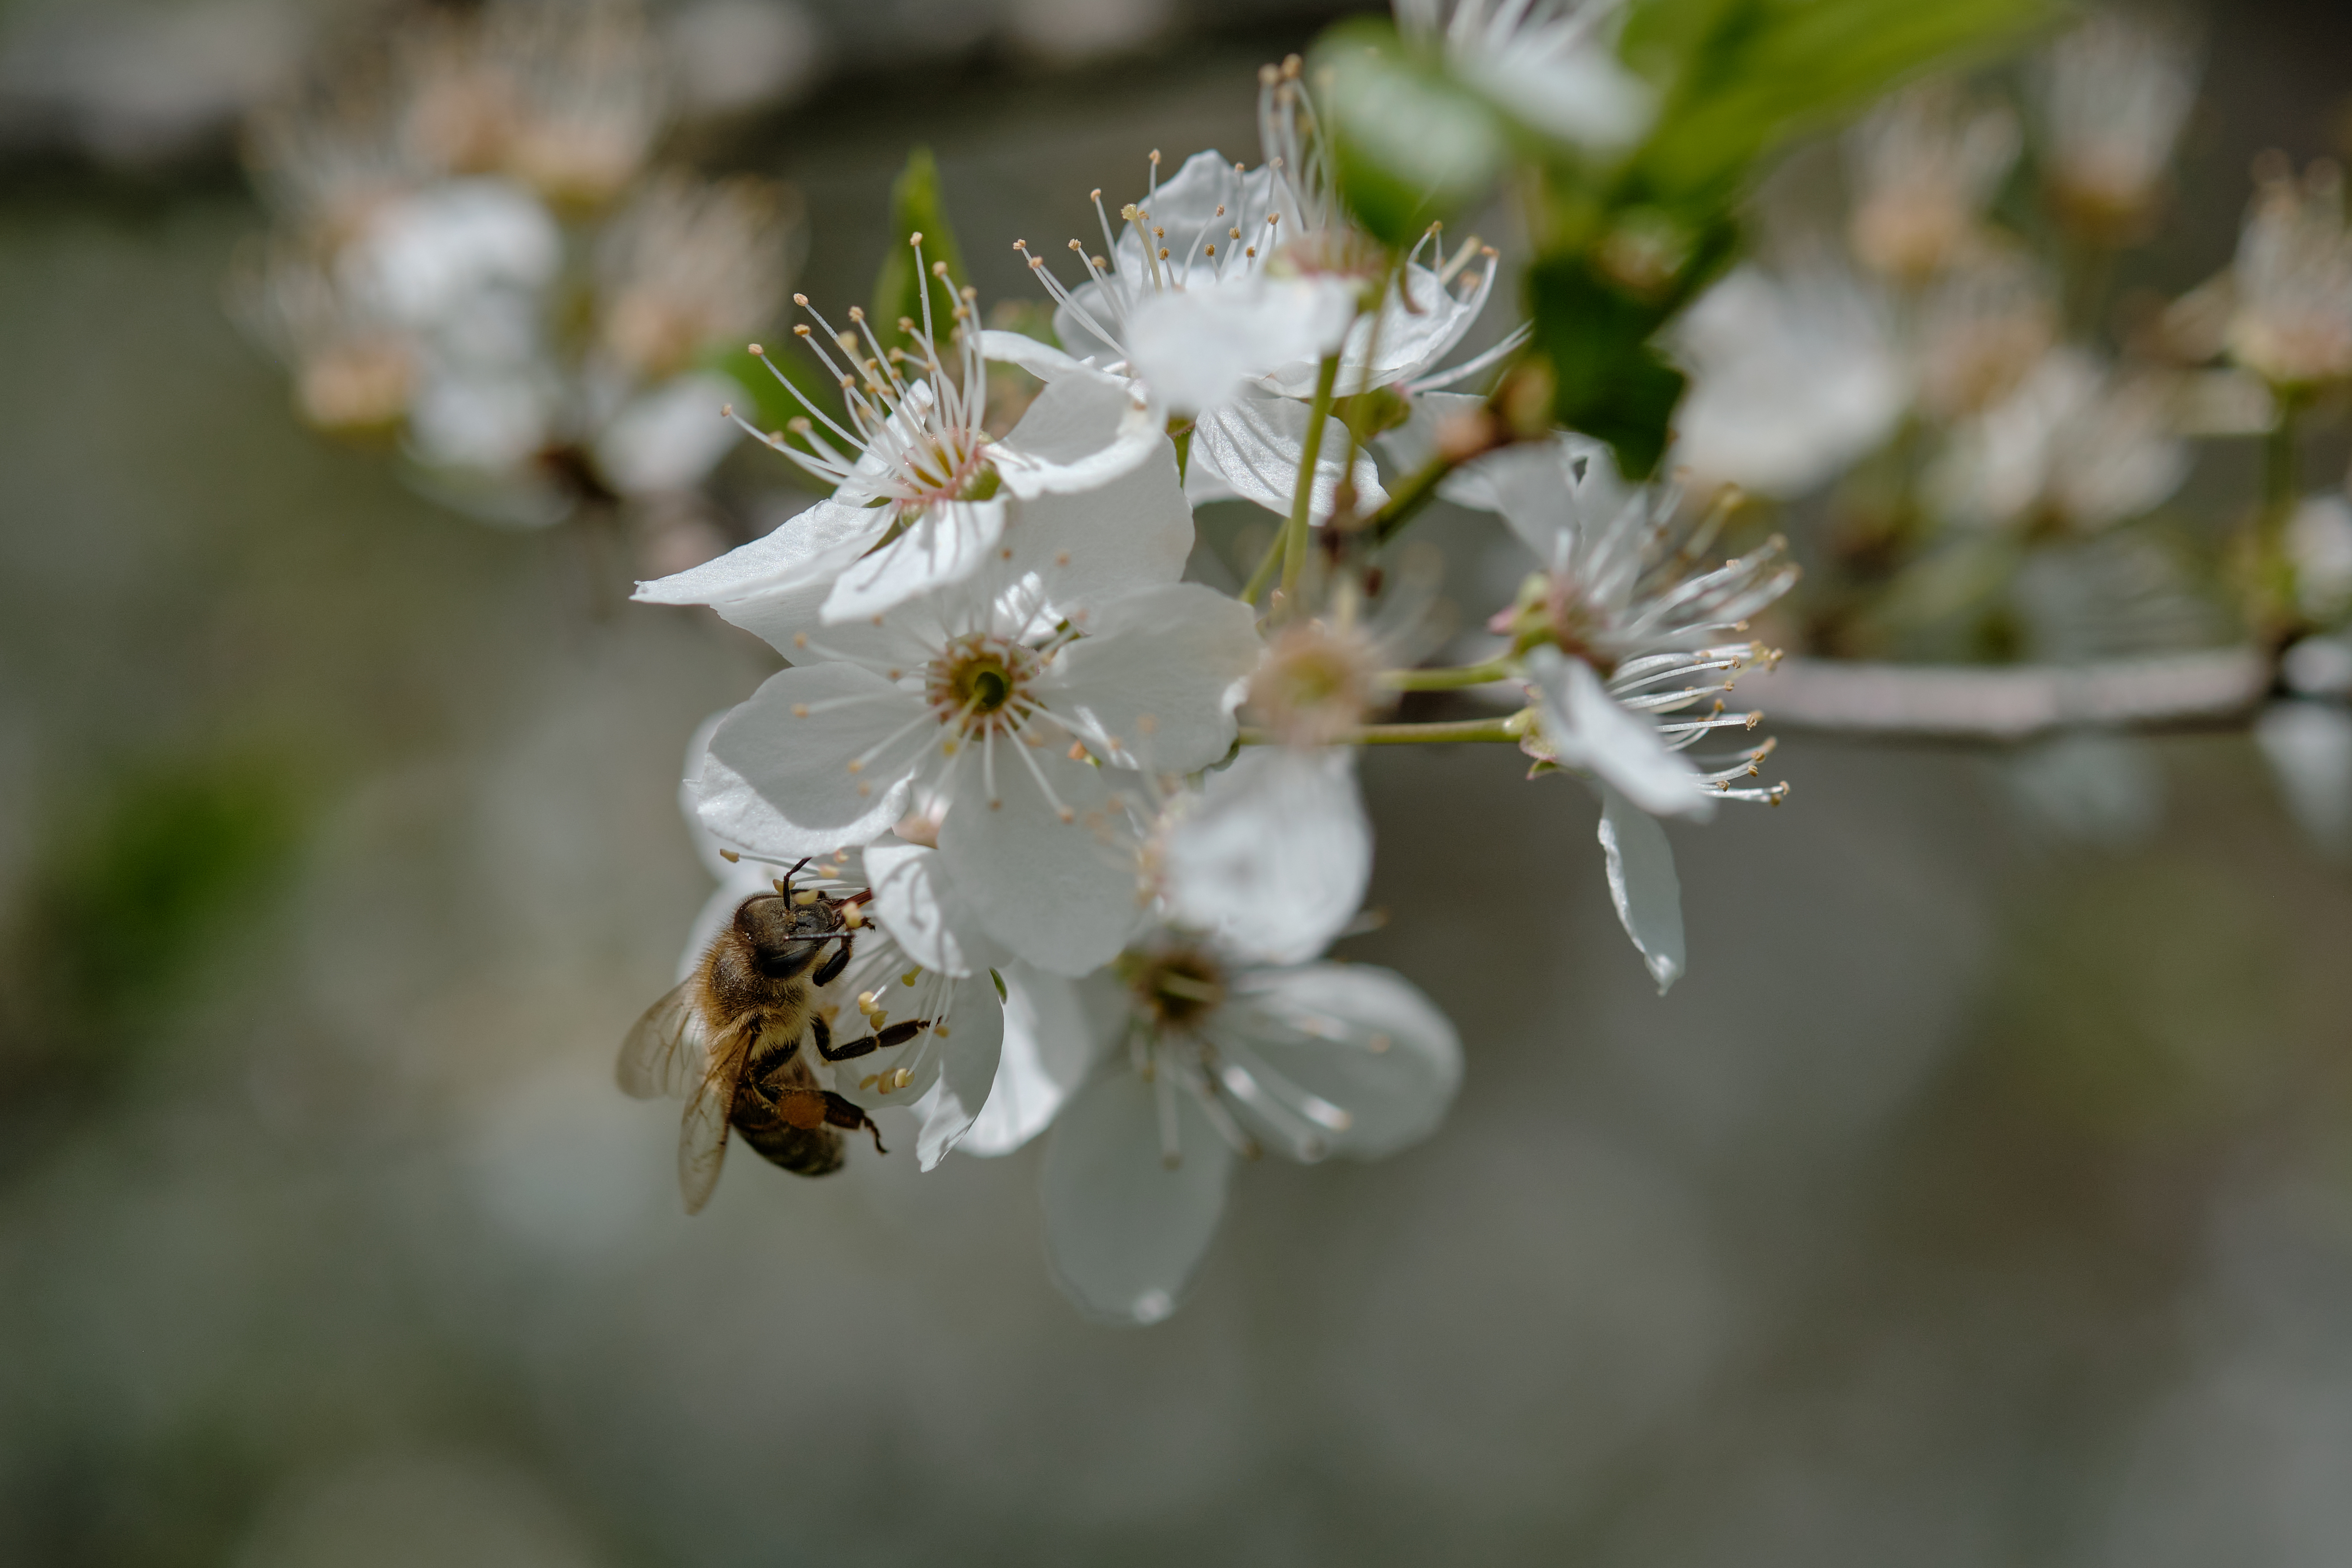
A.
pixel 785 935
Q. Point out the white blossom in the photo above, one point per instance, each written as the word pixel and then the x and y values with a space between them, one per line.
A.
pixel 924 496
pixel 1626 661
pixel 987 713
pixel 1924 166
pixel 2075 446
pixel 2290 286
pixel 1225 288
pixel 2112 96
pixel 1211 1047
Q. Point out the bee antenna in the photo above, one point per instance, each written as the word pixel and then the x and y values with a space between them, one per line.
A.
pixel 857 897
pixel 786 886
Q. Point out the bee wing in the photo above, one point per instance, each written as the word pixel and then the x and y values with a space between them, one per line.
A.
pixel 664 1055
pixel 702 1135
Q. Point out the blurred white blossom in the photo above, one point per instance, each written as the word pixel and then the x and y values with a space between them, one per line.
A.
pixel 2112 97
pixel 1793 378
pixel 1924 166
pixel 1551 62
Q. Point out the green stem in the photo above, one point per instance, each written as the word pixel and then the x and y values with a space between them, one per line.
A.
pixel 1501 730
pixel 1408 499
pixel 2272 579
pixel 1302 499
pixel 2280 481
pixel 1265 572
pixel 1446 679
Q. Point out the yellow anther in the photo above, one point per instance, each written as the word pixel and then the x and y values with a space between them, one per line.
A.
pixel 806 897
pixel 910 976
pixel 730 856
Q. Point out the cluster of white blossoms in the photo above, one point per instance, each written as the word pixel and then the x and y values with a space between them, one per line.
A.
pixel 1104 821
pixel 477 255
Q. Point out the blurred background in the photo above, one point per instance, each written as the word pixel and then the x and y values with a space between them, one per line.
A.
pixel 1984 1195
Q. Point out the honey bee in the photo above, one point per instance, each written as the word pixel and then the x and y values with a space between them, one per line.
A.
pixel 727 1039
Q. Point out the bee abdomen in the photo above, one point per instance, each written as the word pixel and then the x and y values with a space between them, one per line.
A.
pixel 803 1151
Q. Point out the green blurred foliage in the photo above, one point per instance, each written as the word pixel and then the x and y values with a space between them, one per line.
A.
pixel 916 209
pixel 1623 247
pixel 132 892
pixel 1739 76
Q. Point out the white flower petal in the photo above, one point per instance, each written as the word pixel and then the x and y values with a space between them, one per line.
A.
pixel 689 806
pixel 1131 532
pixel 1338 1059
pixel 1273 857
pixel 947 544
pixel 1408 342
pixel 1195 347
pixel 669 438
pixel 1160 685
pixel 1043 361
pixel 773 586
pixel 1545 490
pixel 1412 444
pixel 1084 429
pixel 967 1068
pixel 925 912
pixel 1589 730
pixel 780 783
pixel 1062 894
pixel 1643 885
pixel 1049 1049
pixel 1126 1233
pixel 1088 324
pixel 1251 448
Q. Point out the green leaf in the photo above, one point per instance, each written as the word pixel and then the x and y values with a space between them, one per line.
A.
pixel 916 208
pixel 1608 380
pixel 1410 146
pixel 1742 75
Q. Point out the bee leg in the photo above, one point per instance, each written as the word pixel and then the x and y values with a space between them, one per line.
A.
pixel 896 1034
pixel 841 1114
pixel 761 1072
pixel 830 970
